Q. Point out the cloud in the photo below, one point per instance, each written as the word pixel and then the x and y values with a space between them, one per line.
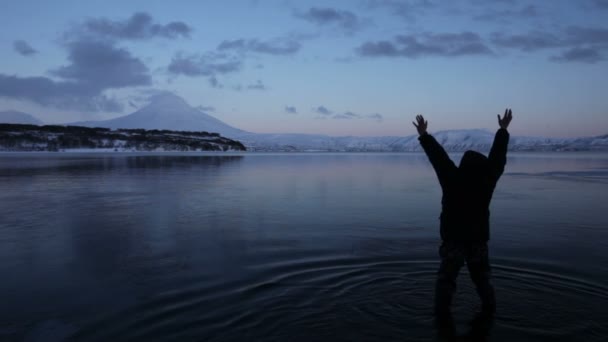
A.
pixel 102 65
pixel 93 67
pixel 325 113
pixel 63 95
pixel 584 55
pixel 206 108
pixel 578 44
pixel 346 115
pixel 208 64
pixel 494 2
pixel 600 4
pixel 531 41
pixel 23 48
pixel 322 110
pixel 277 46
pixel 214 82
pixel 354 116
pixel 229 57
pixel 587 35
pixel 377 117
pixel 528 12
pixel 536 40
pixel 139 26
pixel 427 44
pixel 326 16
pixel 257 86
pixel 291 110
pixel 405 9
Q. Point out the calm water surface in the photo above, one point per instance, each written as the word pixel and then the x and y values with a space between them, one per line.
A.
pixel 298 247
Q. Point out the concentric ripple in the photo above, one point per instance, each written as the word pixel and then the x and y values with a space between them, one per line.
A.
pixel 350 298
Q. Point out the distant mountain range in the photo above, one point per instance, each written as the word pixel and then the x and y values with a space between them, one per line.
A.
pixel 169 111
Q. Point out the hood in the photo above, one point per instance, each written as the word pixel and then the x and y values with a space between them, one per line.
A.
pixel 473 163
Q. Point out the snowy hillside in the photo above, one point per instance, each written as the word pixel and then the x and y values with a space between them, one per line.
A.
pixel 453 141
pixel 17 137
pixel 15 117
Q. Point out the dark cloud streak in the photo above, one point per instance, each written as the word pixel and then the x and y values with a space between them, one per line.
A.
pixel 322 110
pixel 346 116
pixel 278 46
pixel 600 4
pixel 23 48
pixel 531 41
pixel 209 64
pixel 206 108
pixel 258 85
pixel 354 116
pixel 583 55
pixel 326 16
pixel 579 44
pixel 405 9
pixel 528 12
pixel 427 44
pixel 138 27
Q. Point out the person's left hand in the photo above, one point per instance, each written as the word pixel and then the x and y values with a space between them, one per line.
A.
pixel 506 119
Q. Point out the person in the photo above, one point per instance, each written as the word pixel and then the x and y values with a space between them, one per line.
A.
pixel 464 221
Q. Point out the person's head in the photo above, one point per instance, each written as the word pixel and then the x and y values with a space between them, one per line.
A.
pixel 473 162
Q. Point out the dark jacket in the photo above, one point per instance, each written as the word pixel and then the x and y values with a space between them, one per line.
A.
pixel 468 188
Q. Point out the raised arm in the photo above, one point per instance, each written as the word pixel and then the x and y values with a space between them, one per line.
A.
pixel 498 153
pixel 439 158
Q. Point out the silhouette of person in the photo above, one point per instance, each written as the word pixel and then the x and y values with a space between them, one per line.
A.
pixel 464 221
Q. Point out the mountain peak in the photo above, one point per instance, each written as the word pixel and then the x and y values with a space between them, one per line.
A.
pixel 168 101
pixel 166 110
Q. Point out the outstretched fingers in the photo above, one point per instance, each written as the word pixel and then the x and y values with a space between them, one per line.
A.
pixel 420 124
pixel 506 118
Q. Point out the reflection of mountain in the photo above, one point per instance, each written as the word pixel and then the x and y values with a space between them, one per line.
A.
pixel 14 117
pixel 180 162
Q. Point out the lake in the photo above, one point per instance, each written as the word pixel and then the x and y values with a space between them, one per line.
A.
pixel 298 247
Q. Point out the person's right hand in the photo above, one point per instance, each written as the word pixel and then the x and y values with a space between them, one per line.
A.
pixel 506 119
pixel 422 124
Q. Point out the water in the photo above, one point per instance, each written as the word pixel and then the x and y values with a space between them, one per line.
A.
pixel 299 247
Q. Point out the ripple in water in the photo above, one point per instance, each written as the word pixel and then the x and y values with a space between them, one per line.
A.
pixel 346 299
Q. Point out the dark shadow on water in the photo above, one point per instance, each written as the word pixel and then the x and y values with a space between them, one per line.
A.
pixel 479 328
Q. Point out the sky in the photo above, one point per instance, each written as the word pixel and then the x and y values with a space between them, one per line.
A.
pixel 353 67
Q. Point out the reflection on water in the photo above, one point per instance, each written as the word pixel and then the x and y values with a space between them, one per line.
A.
pixel 295 246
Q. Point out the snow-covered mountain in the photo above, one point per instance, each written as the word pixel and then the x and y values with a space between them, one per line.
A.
pixel 15 117
pixel 453 141
pixel 169 111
